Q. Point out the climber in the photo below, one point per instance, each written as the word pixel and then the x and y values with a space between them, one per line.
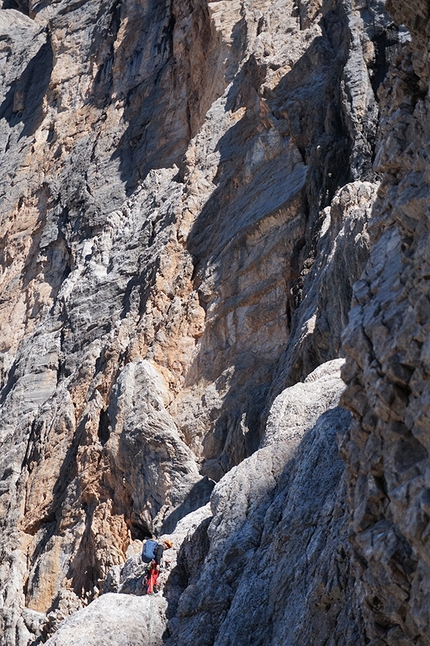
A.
pixel 152 554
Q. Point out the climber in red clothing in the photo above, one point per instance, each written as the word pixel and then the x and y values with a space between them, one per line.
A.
pixel 153 570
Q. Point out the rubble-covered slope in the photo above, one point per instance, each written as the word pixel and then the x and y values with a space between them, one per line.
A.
pixel 185 194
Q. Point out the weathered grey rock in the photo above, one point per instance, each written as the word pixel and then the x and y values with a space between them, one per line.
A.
pixel 159 471
pixel 117 620
pixel 341 253
pixel 387 446
pixel 277 569
pixel 163 208
pixel 268 562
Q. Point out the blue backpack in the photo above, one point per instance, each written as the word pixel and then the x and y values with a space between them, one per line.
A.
pixel 148 552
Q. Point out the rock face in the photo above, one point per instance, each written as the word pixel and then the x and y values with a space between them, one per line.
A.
pixel 252 569
pixel 185 193
pixel 289 571
pixel 115 620
pixel 387 370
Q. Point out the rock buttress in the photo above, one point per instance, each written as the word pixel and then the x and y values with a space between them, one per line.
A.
pixel 387 368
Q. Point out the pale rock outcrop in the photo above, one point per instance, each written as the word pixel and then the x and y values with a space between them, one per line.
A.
pixel 114 620
pixel 277 569
pixel 160 471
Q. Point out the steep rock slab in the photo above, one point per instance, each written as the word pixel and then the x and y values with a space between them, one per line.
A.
pixel 263 214
pixel 341 253
pixel 277 569
pixel 387 370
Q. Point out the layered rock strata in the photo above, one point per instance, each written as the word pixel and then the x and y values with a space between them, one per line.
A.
pixel 185 193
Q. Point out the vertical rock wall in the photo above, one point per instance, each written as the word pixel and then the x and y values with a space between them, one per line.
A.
pixel 387 368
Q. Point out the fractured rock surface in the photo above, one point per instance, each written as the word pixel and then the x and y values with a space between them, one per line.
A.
pixel 268 562
pixel 277 569
pixel 185 196
pixel 387 369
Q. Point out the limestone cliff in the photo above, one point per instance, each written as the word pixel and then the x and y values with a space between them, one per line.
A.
pixel 185 195
pixel 387 370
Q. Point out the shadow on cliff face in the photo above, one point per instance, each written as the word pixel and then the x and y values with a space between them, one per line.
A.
pixel 306 108
pixel 24 101
pixel 296 145
pixel 197 498
pixel 273 568
pixel 19 5
pixel 190 560
pixel 156 63
pixel 294 154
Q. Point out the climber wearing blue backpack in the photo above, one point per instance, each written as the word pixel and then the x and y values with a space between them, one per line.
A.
pixel 152 554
